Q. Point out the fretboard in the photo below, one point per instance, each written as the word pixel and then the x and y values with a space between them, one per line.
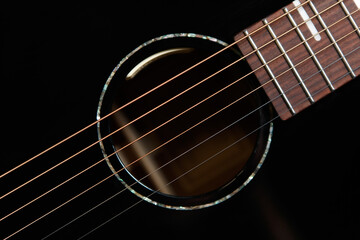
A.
pixel 304 51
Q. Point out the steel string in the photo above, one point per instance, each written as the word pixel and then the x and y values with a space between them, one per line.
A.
pixel 331 44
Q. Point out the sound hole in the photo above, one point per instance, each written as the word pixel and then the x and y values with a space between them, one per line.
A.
pixel 185 156
pixel 194 141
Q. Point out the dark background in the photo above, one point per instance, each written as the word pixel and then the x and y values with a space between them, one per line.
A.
pixel 54 62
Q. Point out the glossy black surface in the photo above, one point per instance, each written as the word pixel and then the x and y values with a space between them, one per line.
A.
pixel 55 60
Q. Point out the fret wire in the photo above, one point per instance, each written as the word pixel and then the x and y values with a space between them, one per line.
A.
pixel 279 88
pixel 331 37
pixel 287 58
pixel 351 19
pixel 309 49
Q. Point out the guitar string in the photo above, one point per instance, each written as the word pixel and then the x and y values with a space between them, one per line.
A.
pixel 208 159
pixel 309 57
pixel 69 179
pixel 143 95
pixel 169 100
pixel 120 150
pixel 224 129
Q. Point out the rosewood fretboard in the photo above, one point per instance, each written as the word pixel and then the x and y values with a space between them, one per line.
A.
pixel 304 51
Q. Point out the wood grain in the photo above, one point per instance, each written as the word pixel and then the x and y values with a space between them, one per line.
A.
pixel 339 26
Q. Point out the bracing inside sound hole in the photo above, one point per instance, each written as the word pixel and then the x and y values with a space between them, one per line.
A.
pixel 183 148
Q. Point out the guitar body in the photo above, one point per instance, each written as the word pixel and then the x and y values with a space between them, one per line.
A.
pixel 194 151
pixel 57 61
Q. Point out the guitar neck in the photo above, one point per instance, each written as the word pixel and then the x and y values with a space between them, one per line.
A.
pixel 304 51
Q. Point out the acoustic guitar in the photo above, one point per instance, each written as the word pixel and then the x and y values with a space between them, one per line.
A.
pixel 228 118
